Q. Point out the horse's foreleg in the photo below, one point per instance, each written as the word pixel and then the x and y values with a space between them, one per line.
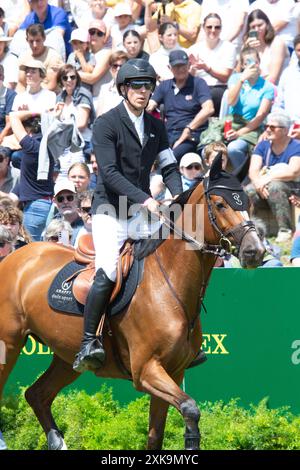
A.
pixel 157 421
pixel 155 380
pixel 41 394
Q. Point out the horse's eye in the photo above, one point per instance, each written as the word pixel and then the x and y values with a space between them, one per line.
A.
pixel 220 205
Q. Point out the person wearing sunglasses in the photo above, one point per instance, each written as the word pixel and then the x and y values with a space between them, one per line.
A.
pixel 101 52
pixel 66 202
pixel 275 173
pixel 213 59
pixel 109 96
pixel 59 231
pixel 191 170
pixel 84 201
pixel 126 142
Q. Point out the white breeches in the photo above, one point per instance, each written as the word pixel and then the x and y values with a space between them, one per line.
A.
pixel 110 233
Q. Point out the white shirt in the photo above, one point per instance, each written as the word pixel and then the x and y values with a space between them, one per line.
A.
pixel 222 57
pixel 283 10
pixel 11 69
pixel 160 62
pixel 108 98
pixel 37 102
pixel 287 96
pixel 105 78
pixel 138 122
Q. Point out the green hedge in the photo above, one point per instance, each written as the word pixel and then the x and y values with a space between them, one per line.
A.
pixel 100 422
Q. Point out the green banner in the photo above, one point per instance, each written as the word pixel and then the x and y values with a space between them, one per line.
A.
pixel 251 336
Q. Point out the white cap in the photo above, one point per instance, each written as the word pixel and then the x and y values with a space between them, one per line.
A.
pixel 64 185
pixel 122 9
pixel 80 34
pixel 190 158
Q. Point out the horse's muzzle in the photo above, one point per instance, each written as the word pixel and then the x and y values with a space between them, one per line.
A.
pixel 251 251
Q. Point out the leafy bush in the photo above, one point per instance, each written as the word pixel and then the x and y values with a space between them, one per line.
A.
pixel 100 422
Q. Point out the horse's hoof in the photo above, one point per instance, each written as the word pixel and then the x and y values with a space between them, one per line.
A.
pixel 55 440
pixel 3 445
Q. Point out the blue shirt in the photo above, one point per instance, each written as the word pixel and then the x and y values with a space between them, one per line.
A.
pixel 6 103
pixel 250 97
pixel 55 17
pixel 263 149
pixel 181 107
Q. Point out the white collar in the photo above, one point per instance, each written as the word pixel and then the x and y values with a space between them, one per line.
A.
pixel 133 117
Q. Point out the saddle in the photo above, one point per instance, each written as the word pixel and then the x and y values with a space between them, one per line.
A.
pixel 85 254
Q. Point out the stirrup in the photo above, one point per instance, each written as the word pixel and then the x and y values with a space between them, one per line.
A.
pixel 199 359
pixel 90 357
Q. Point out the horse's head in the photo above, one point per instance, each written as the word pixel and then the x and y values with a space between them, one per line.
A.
pixel 227 207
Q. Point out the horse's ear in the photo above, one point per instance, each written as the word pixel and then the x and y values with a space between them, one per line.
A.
pixel 242 171
pixel 216 167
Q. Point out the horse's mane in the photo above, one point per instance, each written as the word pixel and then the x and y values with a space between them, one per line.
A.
pixel 147 246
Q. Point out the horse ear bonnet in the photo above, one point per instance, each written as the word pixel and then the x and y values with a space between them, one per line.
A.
pixel 227 186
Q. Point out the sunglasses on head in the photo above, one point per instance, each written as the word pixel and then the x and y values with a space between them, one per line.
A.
pixel 93 32
pixel 218 27
pixel 272 128
pixel 86 209
pixel 138 84
pixel 194 166
pixel 65 78
pixel 2 158
pixel 69 197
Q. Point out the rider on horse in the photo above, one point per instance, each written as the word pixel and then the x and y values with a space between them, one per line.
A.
pixel 126 142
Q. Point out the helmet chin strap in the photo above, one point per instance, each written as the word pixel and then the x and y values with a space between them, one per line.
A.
pixel 125 96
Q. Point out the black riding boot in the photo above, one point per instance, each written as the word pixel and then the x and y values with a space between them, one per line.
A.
pixel 92 354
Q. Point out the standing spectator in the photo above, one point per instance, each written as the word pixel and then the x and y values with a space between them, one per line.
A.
pixel 7 97
pixel 133 45
pixel 100 73
pixel 65 200
pixel 274 172
pixel 36 195
pixel 55 22
pixel 51 60
pixel 168 37
pixel 80 174
pixel 109 96
pixel 273 53
pixel 289 82
pixel 213 59
pixel 8 61
pixel 185 13
pixel 250 98
pixel 9 176
pixel 187 105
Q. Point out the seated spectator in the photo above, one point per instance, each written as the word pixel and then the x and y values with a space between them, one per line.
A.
pixel 65 200
pixel 9 176
pixel 133 45
pixel 187 105
pixel 6 242
pixel 81 58
pixel 210 152
pixel 191 170
pixel 8 61
pixel 36 195
pixel 124 22
pixel 273 53
pixel 275 171
pixel 286 98
pixel 85 11
pixel 84 209
pixel 51 60
pixel 7 97
pixel 213 59
pixel 12 218
pixel 80 175
pixel 74 100
pixel 168 37
pixel 15 13
pixel 36 98
pixel 109 96
pixel 58 231
pixel 282 17
pixel 250 98
pixel 55 22
pixel 187 15
pixel 3 24
pixel 100 73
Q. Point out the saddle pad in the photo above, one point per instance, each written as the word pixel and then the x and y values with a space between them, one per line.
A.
pixel 61 298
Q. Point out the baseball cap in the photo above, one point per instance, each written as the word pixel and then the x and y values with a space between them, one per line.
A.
pixel 34 64
pixel 122 9
pixel 98 24
pixel 64 185
pixel 178 57
pixel 190 158
pixel 80 34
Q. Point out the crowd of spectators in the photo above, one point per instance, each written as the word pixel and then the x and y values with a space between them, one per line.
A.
pixel 219 63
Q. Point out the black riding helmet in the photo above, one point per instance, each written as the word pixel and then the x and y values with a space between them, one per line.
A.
pixel 134 69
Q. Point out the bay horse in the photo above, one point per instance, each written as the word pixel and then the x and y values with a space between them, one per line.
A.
pixel 158 336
